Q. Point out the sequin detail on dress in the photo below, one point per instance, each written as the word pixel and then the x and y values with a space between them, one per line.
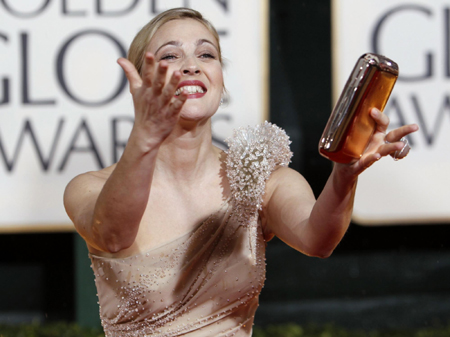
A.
pixel 253 154
pixel 207 282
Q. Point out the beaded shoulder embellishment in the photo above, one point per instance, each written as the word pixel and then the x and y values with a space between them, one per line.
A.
pixel 253 153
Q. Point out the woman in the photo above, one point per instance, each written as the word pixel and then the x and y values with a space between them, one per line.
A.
pixel 177 229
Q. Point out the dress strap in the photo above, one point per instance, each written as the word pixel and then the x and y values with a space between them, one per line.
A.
pixel 253 154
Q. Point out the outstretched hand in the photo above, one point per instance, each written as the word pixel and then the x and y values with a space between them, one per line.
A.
pixel 381 144
pixel 155 104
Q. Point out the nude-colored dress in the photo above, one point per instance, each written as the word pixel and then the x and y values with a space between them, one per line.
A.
pixel 206 282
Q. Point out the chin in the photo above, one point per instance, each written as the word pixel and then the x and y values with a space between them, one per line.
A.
pixel 195 115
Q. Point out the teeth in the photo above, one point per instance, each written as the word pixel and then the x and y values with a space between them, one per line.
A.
pixel 191 89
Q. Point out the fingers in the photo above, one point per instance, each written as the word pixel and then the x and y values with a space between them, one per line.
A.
pixel 382 144
pixel 370 160
pixel 390 148
pixel 395 143
pixel 153 74
pixel 176 105
pixel 396 134
pixel 398 138
pixel 382 121
pixel 160 78
pixel 148 69
pixel 400 154
pixel 131 73
pixel 171 87
pixel 154 78
pixel 392 139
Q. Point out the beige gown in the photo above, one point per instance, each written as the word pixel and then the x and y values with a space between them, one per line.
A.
pixel 206 282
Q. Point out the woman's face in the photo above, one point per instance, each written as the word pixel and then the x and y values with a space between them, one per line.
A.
pixel 187 45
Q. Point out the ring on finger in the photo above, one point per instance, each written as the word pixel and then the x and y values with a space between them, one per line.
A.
pixel 400 154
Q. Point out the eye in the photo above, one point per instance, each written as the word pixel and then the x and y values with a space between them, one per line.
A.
pixel 207 56
pixel 168 57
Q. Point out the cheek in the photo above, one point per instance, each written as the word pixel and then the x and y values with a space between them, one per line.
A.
pixel 218 76
pixel 213 71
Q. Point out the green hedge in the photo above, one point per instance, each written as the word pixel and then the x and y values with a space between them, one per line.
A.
pixel 49 330
pixel 294 330
pixel 282 330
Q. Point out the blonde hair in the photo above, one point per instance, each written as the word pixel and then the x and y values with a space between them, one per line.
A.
pixel 141 41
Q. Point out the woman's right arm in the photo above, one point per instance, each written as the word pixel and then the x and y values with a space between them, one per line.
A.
pixel 107 211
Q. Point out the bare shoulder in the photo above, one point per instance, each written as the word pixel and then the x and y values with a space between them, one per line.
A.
pixel 288 200
pixel 87 181
pixel 286 178
pixel 287 187
pixel 82 191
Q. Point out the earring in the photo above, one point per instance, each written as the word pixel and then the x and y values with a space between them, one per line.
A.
pixel 221 101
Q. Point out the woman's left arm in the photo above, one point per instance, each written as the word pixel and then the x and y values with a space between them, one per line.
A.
pixel 315 228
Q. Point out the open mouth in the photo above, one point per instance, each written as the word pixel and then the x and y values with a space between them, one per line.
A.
pixel 194 88
pixel 191 89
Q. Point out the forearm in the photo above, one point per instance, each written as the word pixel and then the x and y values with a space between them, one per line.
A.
pixel 124 197
pixel 331 214
pixel 113 223
pixel 315 227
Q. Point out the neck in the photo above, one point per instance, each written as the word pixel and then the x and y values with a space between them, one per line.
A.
pixel 187 154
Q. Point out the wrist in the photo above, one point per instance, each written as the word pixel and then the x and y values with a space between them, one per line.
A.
pixel 144 140
pixel 344 178
pixel 151 131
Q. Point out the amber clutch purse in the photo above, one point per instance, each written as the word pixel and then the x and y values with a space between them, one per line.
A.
pixel 350 125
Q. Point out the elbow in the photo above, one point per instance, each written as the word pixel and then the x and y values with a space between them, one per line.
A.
pixel 321 254
pixel 320 251
pixel 324 255
pixel 324 248
pixel 112 242
pixel 112 247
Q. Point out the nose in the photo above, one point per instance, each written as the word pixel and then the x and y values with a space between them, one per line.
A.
pixel 190 67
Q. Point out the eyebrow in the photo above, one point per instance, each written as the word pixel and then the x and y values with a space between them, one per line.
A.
pixel 179 44
pixel 202 41
pixel 170 43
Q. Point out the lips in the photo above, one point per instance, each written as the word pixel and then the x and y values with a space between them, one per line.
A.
pixel 195 89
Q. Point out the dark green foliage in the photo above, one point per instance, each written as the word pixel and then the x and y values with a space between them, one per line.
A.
pixel 282 330
pixel 49 330
pixel 294 330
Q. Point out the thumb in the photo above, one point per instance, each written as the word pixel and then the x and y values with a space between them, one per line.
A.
pixel 131 73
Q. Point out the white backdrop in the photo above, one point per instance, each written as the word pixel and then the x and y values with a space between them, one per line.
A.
pixel 415 34
pixel 64 103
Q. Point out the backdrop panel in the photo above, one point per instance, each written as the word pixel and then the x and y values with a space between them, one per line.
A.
pixel 64 102
pixel 415 34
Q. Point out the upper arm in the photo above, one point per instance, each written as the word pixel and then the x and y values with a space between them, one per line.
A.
pixel 287 205
pixel 80 197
